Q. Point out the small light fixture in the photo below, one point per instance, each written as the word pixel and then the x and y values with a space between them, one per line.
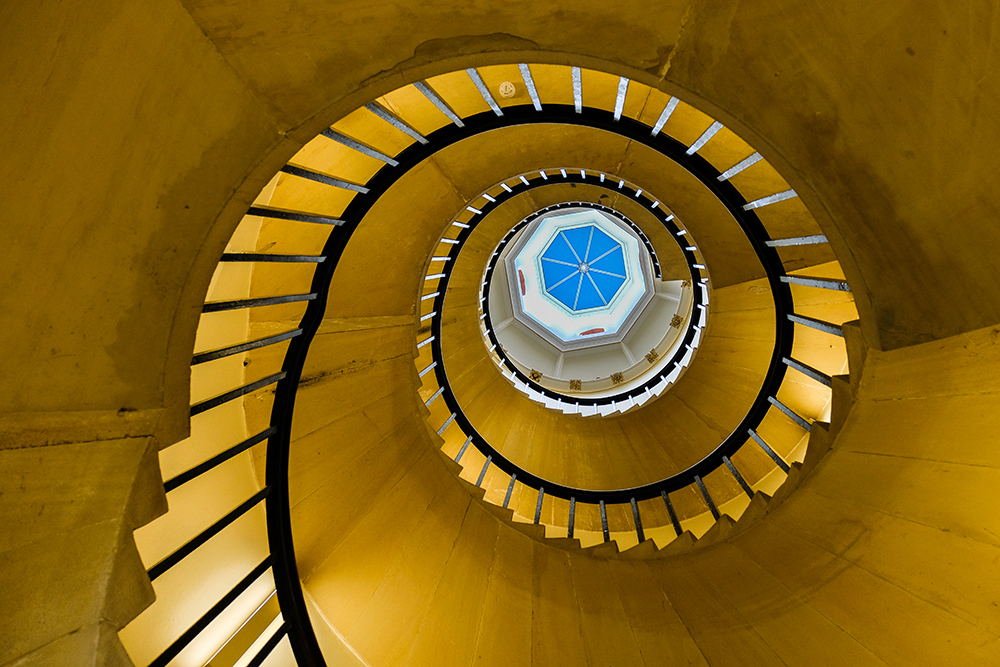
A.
pixel 507 90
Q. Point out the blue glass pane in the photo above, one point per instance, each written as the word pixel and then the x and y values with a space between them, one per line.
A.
pixel 566 293
pixel 611 263
pixel 607 285
pixel 603 278
pixel 559 250
pixel 600 244
pixel 589 297
pixel 554 273
pixel 579 238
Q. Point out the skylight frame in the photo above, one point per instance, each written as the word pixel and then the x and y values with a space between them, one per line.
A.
pixel 539 315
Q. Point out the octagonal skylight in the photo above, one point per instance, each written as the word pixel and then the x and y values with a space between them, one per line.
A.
pixel 579 278
pixel 583 268
pixel 552 337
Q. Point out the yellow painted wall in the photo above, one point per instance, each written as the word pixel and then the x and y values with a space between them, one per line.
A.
pixel 893 532
pixel 136 134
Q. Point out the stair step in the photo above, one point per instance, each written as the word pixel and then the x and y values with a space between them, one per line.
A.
pixel 720 531
pixel 502 513
pixel 477 492
pixel 532 530
pixel 567 543
pixel 455 468
pixel 843 389
pixel 755 511
pixel 857 352
pixel 684 542
pixel 790 484
pixel 820 439
pixel 843 399
pixel 602 550
pixel 640 551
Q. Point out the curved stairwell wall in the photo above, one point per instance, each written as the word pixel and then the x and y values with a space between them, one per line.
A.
pixel 407 568
pixel 143 131
pixel 413 571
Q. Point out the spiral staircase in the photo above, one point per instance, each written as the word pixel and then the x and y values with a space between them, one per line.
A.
pixel 371 478
pixel 438 528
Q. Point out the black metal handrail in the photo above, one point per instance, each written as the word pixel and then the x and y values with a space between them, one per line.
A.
pixel 756 234
pixel 289 590
pixel 715 459
pixel 278 513
pixel 275 493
